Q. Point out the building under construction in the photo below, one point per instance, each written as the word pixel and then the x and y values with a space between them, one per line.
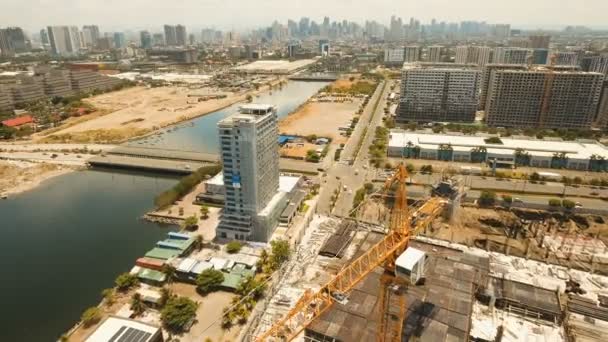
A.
pixel 543 97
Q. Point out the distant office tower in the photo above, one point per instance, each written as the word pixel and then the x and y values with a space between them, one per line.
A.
pixel 516 98
pixel 479 55
pixel 181 37
pixel 596 64
pixel 56 82
pixel 44 37
pixel 12 40
pixel 438 92
pixel 412 54
pixel 192 39
pixel 170 35
pixel 324 47
pixel 539 41
pixel 91 35
pixel 502 31
pixel 566 58
pixel 540 56
pixel 394 56
pixel 292 49
pixel 434 53
pixel 119 40
pixel 158 39
pixel 104 43
pixel 65 41
pixel 511 55
pixel 145 39
pixel 250 155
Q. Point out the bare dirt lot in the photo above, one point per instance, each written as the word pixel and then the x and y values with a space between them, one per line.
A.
pixel 135 111
pixel 321 118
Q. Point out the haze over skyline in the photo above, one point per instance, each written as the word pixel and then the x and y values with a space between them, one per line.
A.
pixel 242 14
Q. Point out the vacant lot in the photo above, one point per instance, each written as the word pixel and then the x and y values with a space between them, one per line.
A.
pixel 136 111
pixel 321 118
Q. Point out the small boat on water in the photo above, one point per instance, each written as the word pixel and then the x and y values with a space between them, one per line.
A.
pixel 3 196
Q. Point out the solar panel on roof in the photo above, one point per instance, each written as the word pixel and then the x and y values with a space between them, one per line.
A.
pixel 134 335
pixel 115 336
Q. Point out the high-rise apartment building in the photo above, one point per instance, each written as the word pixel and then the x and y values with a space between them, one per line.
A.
pixel 511 55
pixel 479 55
pixel 540 56
pixel 502 31
pixel 516 98
pixel 434 53
pixel 596 64
pixel 602 113
pixel 539 41
pixel 170 35
pixel 394 56
pixel 566 58
pixel 485 79
pixel 412 54
pixel 181 37
pixel 119 40
pixel 438 92
pixel 250 155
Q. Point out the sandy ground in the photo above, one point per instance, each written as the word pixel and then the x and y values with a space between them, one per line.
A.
pixel 297 150
pixel 209 315
pixel 320 118
pixel 17 176
pixel 138 110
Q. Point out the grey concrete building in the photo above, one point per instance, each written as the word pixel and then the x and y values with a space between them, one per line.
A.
pixel 170 35
pixel 511 55
pixel 87 80
pixel 434 53
pixel 515 98
pixel 250 155
pixel 602 113
pixel 539 41
pixel 438 92
pixel 596 64
pixel 479 55
pixel 6 99
pixel 56 82
pixel 412 53
pixel 485 79
pixel 566 58
pixel 394 56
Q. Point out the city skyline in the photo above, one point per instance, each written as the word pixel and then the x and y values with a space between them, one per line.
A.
pixel 221 14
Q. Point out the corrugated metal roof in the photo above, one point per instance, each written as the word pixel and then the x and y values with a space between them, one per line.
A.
pixel 162 253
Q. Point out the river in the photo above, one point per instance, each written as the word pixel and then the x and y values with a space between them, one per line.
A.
pixel 66 240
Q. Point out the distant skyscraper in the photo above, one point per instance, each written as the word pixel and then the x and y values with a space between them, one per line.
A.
pixel 181 37
pixel 394 57
pixel 44 37
pixel 145 39
pixel 502 31
pixel 119 40
pixel 12 40
pixel 65 41
pixel 324 48
pixel 170 35
pixel 158 39
pixel 250 155
pixel 91 35
pixel 434 53
pixel 597 64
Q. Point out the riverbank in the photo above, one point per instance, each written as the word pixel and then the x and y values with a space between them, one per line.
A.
pixel 20 176
pixel 140 111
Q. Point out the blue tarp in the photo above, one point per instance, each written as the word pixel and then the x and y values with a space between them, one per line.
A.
pixel 285 138
pixel 179 236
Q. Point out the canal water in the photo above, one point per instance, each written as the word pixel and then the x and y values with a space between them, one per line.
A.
pixel 200 134
pixel 68 239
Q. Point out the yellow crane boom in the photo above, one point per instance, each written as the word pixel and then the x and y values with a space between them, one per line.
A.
pixel 312 304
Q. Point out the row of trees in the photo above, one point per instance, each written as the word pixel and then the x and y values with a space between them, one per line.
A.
pixel 185 185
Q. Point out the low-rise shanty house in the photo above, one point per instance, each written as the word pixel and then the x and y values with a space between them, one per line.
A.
pixel 149 268
pixel 19 122
pixel 148 276
pixel 234 272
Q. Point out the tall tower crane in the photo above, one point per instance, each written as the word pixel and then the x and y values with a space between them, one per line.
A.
pixel 402 226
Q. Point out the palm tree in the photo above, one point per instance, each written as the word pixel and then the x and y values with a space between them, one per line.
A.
pixel 169 271
pixel 198 242
pixel 137 305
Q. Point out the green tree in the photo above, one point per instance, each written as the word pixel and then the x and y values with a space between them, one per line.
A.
pixel 280 252
pixel 204 212
pixel 198 242
pixel 535 176
pixel 507 199
pixel 409 167
pixel 90 316
pixel 568 204
pixel 165 295
pixel 209 280
pixel 249 98
pixel 125 281
pixel 251 285
pixel 487 198
pixel 577 180
pixel 234 247
pixel 169 271
pixel 177 313
pixel 190 221
pixel 554 202
pixel 108 296
pixel 137 305
pixel 369 187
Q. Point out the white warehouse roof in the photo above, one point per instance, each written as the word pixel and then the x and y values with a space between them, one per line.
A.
pixel 573 149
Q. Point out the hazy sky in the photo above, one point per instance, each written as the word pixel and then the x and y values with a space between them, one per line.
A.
pixel 114 14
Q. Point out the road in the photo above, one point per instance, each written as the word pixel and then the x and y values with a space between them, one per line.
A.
pixel 347 178
pixel 524 201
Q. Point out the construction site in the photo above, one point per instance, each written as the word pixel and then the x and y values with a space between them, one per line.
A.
pixel 434 270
